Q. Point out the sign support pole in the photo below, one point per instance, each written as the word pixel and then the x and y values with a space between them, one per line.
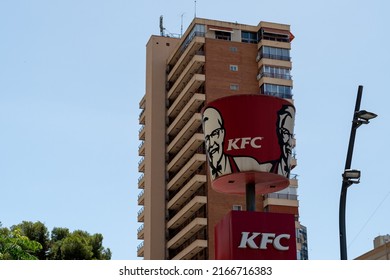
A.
pixel 250 197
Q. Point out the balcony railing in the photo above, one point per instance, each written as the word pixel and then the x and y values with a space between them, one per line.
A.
pixel 189 39
pixel 141 133
pixel 274 56
pixel 140 249
pixel 142 117
pixel 141 148
pixel 281 196
pixel 140 214
pixel 185 213
pixel 191 250
pixel 274 75
pixel 140 246
pixel 141 197
pixel 141 165
pixel 186 232
pixel 278 94
pixel 140 232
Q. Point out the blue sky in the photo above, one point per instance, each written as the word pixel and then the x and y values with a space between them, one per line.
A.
pixel 72 74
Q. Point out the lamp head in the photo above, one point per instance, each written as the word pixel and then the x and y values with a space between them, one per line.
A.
pixel 352 176
pixel 364 115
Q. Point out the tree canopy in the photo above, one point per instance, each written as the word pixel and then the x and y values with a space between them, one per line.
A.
pixel 31 241
pixel 15 246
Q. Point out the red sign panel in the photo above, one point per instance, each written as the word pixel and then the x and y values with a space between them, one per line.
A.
pixel 243 235
pixel 249 140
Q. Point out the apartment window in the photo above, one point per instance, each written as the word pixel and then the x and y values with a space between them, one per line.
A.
pixel 221 35
pixel 249 37
pixel 234 68
pixel 275 72
pixel 275 53
pixel 274 35
pixel 237 207
pixel 233 49
pixel 234 87
pixel 276 90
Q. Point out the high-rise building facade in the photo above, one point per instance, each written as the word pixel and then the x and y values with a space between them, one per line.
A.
pixel 211 60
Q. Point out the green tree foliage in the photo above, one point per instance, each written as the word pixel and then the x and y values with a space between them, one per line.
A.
pixel 34 242
pixel 37 232
pixel 78 245
pixel 15 246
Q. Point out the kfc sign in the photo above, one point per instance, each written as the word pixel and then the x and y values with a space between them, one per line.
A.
pixel 241 143
pixel 248 240
pixel 248 139
pixel 243 235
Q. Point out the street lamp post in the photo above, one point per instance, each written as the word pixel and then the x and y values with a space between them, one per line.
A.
pixel 351 176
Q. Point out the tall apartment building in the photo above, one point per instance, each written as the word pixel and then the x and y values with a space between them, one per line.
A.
pixel 212 59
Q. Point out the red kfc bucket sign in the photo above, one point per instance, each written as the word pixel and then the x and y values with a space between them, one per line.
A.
pixel 249 140
pixel 243 235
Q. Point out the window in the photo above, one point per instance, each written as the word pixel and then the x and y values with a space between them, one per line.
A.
pixel 198 30
pixel 237 207
pixel 221 35
pixel 234 68
pixel 274 35
pixel 248 37
pixel 275 53
pixel 275 72
pixel 233 49
pixel 234 87
pixel 276 90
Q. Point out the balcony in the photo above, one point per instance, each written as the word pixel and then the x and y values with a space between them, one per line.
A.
pixel 274 75
pixel 186 87
pixel 191 107
pixel 182 58
pixel 141 149
pixel 141 181
pixel 142 102
pixel 141 215
pixel 281 199
pixel 293 180
pixel 141 165
pixel 191 166
pixel 186 152
pixel 281 61
pixel 141 133
pixel 142 117
pixel 275 81
pixel 195 204
pixel 186 233
pixel 274 44
pixel 185 134
pixel 190 251
pixel 140 232
pixel 186 106
pixel 140 250
pixel 190 69
pixel 187 191
pixel 141 198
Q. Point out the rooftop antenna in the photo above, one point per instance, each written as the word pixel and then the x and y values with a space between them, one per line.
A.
pixel 195 8
pixel 181 27
pixel 162 26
